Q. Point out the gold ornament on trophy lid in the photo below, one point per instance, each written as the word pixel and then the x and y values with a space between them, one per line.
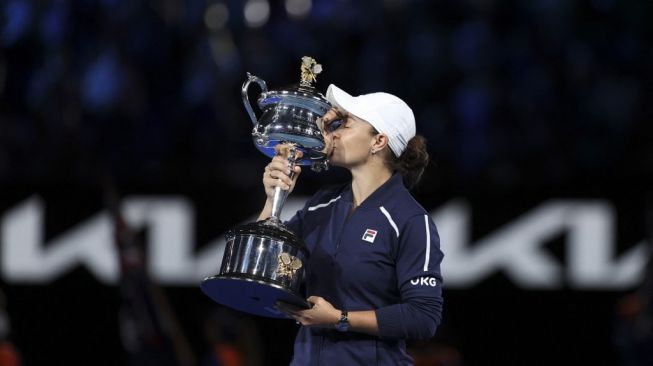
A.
pixel 310 70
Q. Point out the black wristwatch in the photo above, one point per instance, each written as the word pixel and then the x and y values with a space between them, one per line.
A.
pixel 343 324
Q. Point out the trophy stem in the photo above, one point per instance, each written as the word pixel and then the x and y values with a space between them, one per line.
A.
pixel 280 195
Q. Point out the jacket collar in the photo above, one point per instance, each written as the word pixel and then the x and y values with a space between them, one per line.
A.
pixel 380 195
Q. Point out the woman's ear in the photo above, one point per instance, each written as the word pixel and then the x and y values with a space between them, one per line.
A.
pixel 379 142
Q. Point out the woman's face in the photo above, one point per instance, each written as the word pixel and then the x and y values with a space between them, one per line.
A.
pixel 348 138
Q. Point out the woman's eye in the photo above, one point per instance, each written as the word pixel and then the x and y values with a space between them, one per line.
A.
pixel 334 125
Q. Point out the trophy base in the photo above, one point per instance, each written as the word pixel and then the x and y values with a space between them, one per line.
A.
pixel 250 295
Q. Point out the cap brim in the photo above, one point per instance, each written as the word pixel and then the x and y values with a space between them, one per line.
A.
pixel 343 100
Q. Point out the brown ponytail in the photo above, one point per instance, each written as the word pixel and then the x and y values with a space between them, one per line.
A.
pixel 412 161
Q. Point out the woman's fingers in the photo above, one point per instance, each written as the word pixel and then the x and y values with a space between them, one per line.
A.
pixel 276 178
pixel 288 308
pixel 297 170
pixel 278 172
pixel 280 164
pixel 272 182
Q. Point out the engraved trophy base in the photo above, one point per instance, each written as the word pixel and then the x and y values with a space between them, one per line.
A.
pixel 262 264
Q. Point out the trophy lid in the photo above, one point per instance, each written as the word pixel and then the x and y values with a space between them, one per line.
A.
pixel 303 95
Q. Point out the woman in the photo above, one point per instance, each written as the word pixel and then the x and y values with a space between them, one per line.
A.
pixel 373 276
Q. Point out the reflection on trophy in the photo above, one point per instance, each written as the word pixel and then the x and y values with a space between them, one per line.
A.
pixel 263 262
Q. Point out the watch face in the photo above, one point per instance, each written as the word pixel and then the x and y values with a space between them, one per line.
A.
pixel 342 326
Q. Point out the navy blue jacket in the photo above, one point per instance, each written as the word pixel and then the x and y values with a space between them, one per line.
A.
pixel 385 257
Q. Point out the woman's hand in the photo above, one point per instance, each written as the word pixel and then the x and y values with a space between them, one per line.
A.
pixel 277 173
pixel 324 123
pixel 321 313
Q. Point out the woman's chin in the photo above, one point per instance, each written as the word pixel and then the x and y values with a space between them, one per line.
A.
pixel 336 161
pixel 333 160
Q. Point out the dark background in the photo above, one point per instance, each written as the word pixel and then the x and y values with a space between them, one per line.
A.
pixel 521 102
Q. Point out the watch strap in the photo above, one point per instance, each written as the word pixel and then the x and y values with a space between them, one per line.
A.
pixel 343 324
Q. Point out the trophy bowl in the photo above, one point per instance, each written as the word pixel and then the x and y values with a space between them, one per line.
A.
pixel 263 262
pixel 289 116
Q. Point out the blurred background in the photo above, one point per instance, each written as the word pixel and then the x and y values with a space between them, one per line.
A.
pixel 125 155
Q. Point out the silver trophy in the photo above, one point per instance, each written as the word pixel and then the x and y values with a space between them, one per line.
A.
pixel 263 261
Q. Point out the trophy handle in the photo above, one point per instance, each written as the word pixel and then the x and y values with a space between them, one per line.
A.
pixel 248 106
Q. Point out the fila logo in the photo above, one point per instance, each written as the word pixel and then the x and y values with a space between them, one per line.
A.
pixel 424 281
pixel 369 235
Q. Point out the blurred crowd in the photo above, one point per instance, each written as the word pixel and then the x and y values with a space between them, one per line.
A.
pixel 538 93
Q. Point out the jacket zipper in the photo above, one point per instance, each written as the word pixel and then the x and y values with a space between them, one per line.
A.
pixel 342 231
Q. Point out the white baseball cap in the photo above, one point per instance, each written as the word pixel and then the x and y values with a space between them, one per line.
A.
pixel 387 113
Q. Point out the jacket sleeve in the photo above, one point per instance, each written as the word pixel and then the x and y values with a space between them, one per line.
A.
pixel 295 224
pixel 418 260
